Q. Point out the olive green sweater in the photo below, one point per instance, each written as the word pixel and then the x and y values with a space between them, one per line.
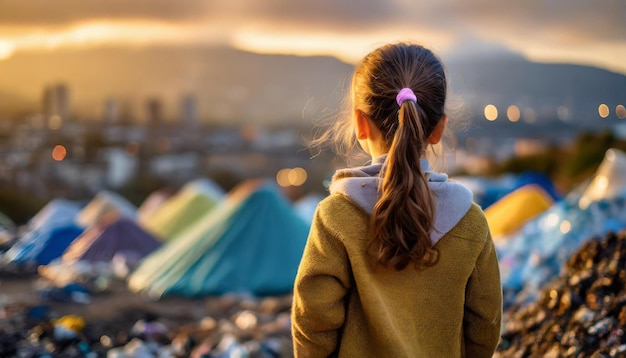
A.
pixel 345 306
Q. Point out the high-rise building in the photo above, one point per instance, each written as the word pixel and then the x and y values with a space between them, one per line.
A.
pixel 154 111
pixel 189 111
pixel 111 111
pixel 56 105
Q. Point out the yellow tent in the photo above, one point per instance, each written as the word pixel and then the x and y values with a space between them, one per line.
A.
pixel 510 213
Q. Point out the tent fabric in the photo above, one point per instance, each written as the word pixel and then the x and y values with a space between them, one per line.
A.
pixel 208 187
pixel 251 244
pixel 105 203
pixel 103 241
pixel 539 179
pixel 609 180
pixel 193 201
pixel 152 203
pixel 509 214
pixel 56 212
pixel 42 246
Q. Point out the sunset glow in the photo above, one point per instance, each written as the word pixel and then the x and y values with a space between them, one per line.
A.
pixel 6 49
pixel 92 34
pixel 271 34
pixel 318 43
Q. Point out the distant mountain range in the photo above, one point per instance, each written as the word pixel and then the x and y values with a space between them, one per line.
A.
pixel 234 86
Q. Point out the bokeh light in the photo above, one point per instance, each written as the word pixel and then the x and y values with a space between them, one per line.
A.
pixel 620 111
pixel 282 177
pixel 59 153
pixel 491 112
pixel 565 227
pixel 291 177
pixel 513 113
pixel 603 110
pixel 552 219
pixel 563 113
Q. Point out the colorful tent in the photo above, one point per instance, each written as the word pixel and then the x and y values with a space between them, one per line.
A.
pixel 193 201
pixel 109 237
pixel 42 246
pixel 104 203
pixel 487 191
pixel 56 212
pixel 252 243
pixel 510 213
pixel 153 202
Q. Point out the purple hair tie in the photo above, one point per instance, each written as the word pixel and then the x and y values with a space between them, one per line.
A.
pixel 405 94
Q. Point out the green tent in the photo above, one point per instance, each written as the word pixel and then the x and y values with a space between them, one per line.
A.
pixel 251 244
pixel 193 201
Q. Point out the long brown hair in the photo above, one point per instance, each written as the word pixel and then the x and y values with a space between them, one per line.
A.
pixel 403 217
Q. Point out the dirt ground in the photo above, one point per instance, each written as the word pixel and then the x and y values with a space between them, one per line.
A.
pixel 117 303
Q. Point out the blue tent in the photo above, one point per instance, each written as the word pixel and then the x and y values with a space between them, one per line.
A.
pixel 250 244
pixel 56 212
pixel 489 190
pixel 42 246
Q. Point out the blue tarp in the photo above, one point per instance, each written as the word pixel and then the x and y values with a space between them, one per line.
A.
pixel 248 245
pixel 42 246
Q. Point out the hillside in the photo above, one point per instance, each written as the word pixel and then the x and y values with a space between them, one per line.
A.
pixel 232 85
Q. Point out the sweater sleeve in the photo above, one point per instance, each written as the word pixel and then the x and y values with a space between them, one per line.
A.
pixel 321 285
pixel 483 305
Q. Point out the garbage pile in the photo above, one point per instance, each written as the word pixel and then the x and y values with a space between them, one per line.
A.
pixel 582 313
pixel 236 327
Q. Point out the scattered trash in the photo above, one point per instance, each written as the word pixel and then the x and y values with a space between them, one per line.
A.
pixel 582 313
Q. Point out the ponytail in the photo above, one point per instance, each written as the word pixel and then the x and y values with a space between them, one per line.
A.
pixel 403 217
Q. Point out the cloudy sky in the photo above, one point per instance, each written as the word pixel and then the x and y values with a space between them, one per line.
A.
pixel 569 31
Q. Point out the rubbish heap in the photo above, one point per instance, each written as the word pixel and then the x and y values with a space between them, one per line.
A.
pixel 236 327
pixel 581 313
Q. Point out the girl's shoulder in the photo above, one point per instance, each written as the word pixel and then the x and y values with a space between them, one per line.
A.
pixel 473 226
pixel 337 211
pixel 339 204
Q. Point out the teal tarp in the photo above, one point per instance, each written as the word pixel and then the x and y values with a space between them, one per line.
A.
pixel 250 245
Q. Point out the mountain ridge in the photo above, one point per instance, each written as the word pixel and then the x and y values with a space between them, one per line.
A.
pixel 235 86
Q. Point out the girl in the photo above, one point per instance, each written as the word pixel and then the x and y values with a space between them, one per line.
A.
pixel 399 261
